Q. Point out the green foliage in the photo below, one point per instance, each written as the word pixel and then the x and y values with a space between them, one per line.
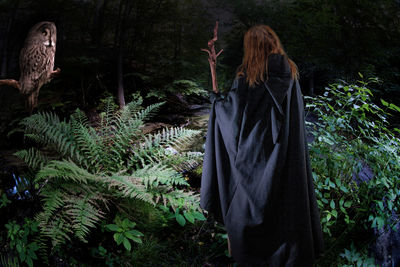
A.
pixel 8 262
pixel 352 133
pixel 354 258
pixel 183 87
pixel 189 216
pixel 124 231
pixel 4 201
pixel 91 166
pixel 20 238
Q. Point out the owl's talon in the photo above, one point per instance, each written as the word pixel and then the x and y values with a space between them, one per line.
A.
pixel 55 72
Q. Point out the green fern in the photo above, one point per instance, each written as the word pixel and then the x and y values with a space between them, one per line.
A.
pixel 94 165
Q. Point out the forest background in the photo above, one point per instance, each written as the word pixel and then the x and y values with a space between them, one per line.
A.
pixel 148 51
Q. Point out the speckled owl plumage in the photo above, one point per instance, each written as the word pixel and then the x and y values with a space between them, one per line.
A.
pixel 37 61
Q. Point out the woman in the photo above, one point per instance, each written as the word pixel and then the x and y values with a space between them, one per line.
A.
pixel 257 178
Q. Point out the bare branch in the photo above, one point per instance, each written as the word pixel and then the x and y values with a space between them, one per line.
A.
pixel 205 50
pixel 55 73
pixel 212 57
pixel 11 82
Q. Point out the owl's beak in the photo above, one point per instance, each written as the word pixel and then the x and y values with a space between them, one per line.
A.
pixel 49 43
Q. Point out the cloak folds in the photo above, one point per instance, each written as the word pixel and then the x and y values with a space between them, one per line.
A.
pixel 257 177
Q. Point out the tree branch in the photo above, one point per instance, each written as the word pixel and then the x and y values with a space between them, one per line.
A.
pixel 11 82
pixel 212 57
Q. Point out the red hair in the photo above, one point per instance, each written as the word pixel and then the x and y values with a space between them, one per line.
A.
pixel 259 42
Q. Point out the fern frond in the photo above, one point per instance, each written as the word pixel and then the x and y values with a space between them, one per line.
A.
pixel 90 146
pixel 130 110
pixel 8 261
pixel 179 198
pixel 65 170
pixel 47 129
pixel 53 201
pixel 152 149
pixel 148 112
pixel 79 118
pixel 32 157
pixel 41 241
pixel 131 187
pixel 84 214
pixel 153 176
pixel 57 229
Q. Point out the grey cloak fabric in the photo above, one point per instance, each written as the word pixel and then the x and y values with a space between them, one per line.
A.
pixel 257 177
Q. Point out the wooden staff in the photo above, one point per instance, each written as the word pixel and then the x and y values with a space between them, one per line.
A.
pixel 212 58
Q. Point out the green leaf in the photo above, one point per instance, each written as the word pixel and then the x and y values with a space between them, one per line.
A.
pixel 112 227
pixel 118 237
pixel 334 213
pixel 137 240
pixel 136 233
pixel 127 244
pixel 189 217
pixel 384 103
pixel 29 262
pixel 332 204
pixel 394 107
pixel 198 216
pixel 180 219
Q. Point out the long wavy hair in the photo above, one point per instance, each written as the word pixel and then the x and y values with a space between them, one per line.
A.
pixel 259 42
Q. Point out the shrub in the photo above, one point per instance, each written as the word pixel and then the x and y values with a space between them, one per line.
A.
pixel 351 137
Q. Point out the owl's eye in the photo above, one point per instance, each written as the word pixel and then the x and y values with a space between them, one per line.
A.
pixel 44 33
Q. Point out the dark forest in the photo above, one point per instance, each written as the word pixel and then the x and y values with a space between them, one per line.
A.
pixel 105 168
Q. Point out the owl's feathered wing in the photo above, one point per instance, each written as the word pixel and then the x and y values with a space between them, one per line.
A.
pixel 36 64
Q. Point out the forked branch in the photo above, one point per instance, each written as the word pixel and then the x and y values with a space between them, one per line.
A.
pixel 212 57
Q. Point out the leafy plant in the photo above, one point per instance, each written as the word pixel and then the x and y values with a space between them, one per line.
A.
pixel 20 240
pixel 355 158
pixel 92 165
pixel 355 258
pixel 189 216
pixel 4 201
pixel 124 231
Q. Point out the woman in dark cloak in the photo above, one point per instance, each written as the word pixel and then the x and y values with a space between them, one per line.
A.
pixel 257 178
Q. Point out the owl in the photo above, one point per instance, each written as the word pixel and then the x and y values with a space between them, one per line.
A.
pixel 36 61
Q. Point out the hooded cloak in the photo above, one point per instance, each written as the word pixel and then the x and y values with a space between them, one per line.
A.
pixel 257 178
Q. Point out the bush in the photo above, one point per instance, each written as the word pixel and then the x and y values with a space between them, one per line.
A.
pixel 352 137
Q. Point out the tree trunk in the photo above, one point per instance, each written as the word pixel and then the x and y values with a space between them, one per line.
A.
pixel 120 78
pixel 5 48
pixel 127 8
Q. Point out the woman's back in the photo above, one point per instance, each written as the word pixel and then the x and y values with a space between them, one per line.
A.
pixel 256 175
